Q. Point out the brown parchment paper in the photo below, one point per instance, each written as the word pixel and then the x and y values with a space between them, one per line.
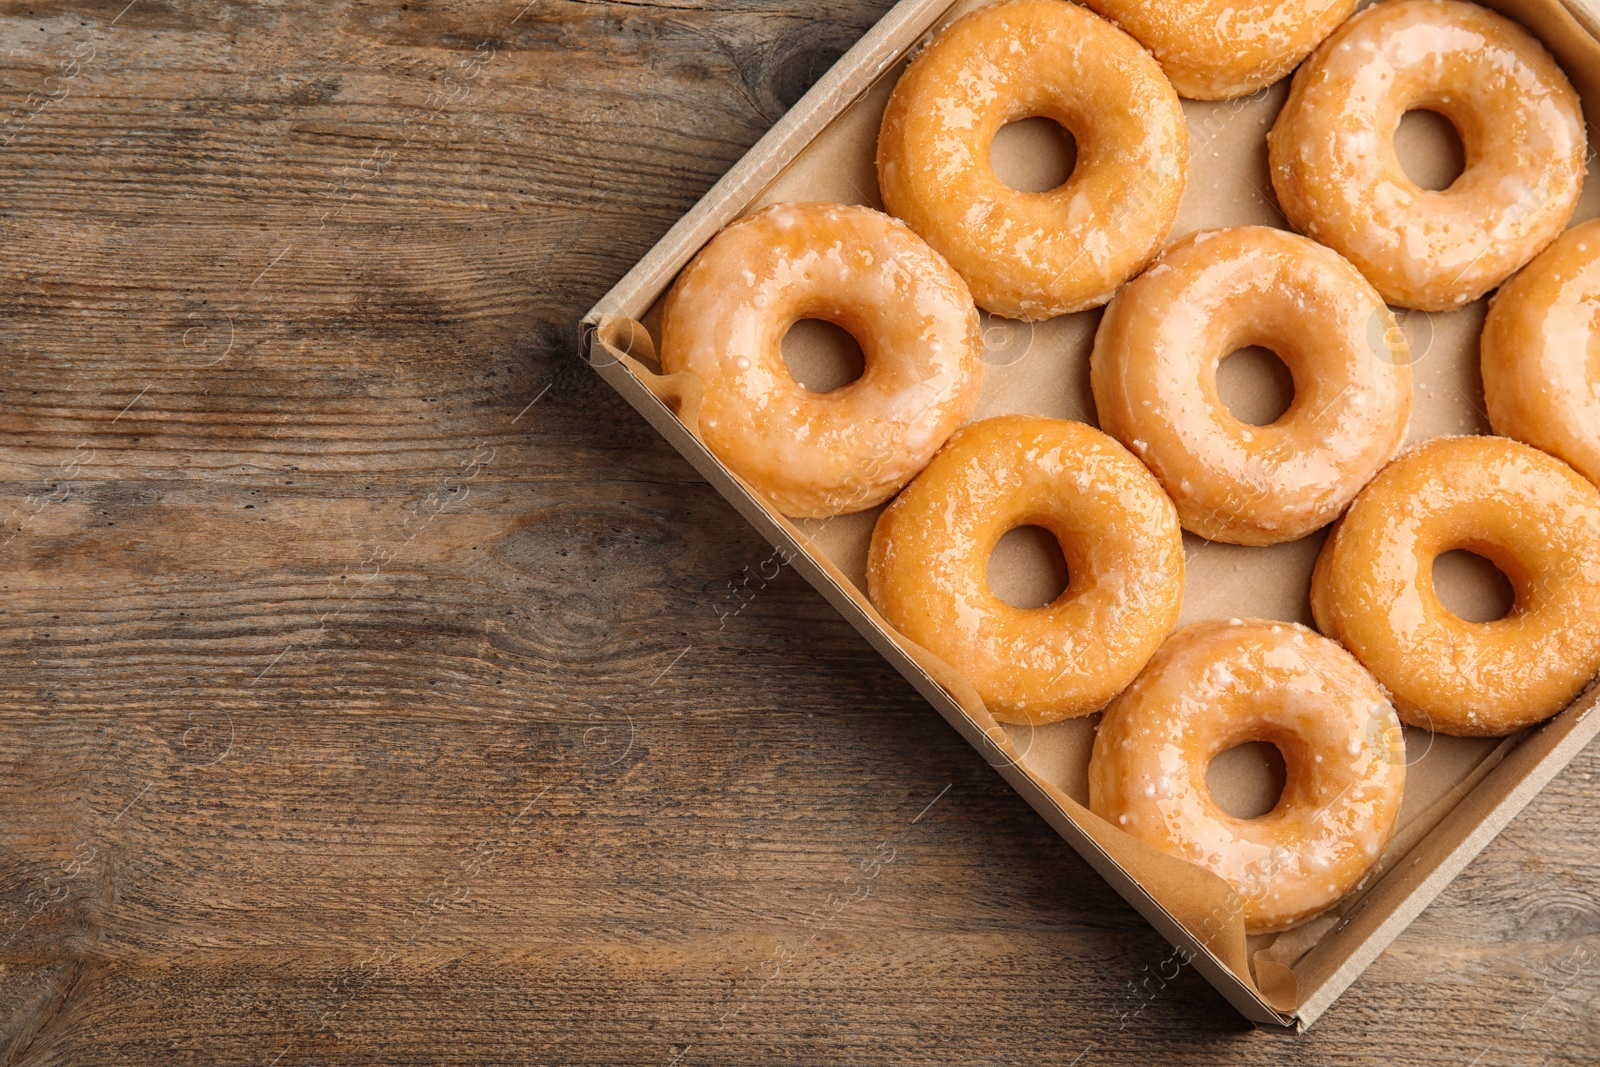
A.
pixel 1042 368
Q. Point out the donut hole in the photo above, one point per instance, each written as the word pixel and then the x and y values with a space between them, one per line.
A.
pixel 821 356
pixel 1429 148
pixel 1247 780
pixel 1027 568
pixel 1033 155
pixel 1471 587
pixel 1255 385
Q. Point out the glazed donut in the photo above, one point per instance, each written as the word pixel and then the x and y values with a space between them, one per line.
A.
pixel 1035 255
pixel 1541 352
pixel 1219 49
pixel 1154 376
pixel 927 569
pixel 1338 179
pixel 818 454
pixel 1215 685
pixel 1532 516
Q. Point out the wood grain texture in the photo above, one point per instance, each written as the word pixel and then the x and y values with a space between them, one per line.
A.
pixel 353 710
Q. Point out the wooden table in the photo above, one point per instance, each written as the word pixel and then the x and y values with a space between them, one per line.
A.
pixel 377 687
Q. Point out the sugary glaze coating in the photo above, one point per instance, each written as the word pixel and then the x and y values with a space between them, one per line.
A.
pixel 1541 352
pixel 1215 685
pixel 1528 513
pixel 1036 255
pixel 1338 179
pixel 818 454
pixel 1154 376
pixel 1219 49
pixel 927 570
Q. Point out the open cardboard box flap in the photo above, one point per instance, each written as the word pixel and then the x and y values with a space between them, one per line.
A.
pixel 1460 791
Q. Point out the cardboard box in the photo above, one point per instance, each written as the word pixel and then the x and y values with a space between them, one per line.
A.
pixel 1460 792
